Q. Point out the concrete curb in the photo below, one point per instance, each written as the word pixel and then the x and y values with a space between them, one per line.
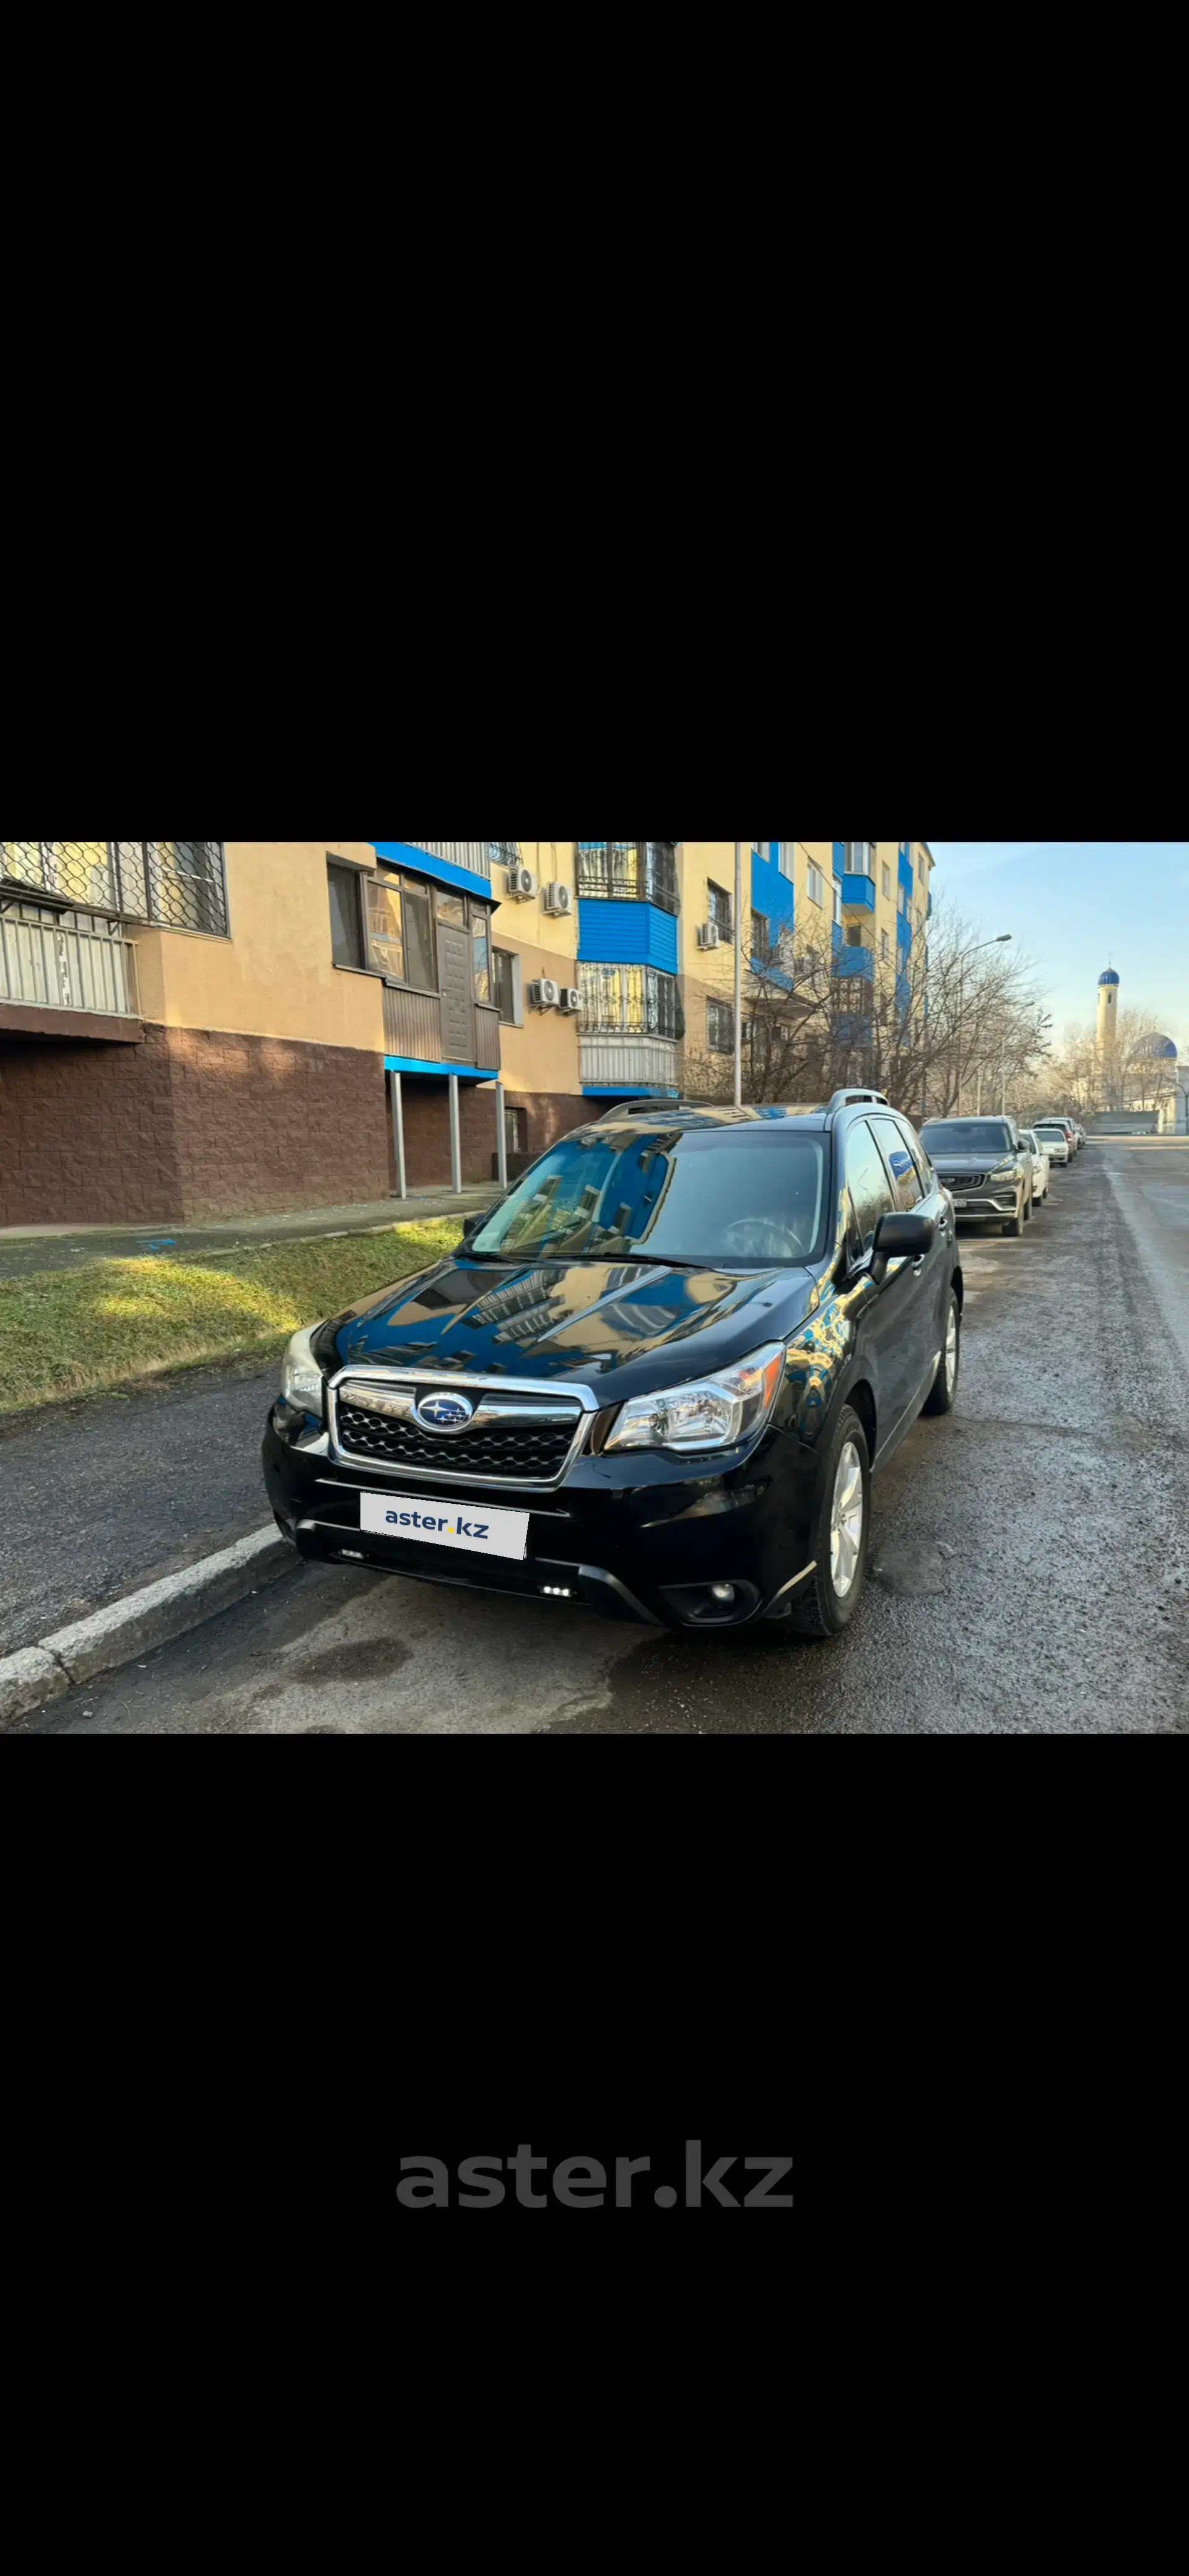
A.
pixel 140 1621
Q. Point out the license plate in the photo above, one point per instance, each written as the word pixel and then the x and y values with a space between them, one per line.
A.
pixel 433 1522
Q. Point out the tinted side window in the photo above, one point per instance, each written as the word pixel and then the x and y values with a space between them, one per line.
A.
pixel 867 1182
pixel 905 1177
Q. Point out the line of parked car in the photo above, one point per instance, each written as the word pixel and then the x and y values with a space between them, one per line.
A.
pixel 996 1171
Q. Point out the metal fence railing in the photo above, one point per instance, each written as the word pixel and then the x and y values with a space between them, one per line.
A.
pixel 180 885
pixel 65 962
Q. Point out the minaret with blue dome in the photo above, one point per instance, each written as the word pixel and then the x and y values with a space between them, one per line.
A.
pixel 1108 1010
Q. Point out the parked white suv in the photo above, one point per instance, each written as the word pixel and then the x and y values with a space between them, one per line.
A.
pixel 1035 1143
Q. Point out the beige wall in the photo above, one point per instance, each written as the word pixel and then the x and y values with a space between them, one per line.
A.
pixel 275 976
pixel 707 971
pixel 543 1055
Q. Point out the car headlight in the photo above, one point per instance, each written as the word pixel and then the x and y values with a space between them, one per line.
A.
pixel 708 1413
pixel 1007 1172
pixel 301 1377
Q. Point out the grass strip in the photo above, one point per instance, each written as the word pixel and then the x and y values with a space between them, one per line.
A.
pixel 79 1332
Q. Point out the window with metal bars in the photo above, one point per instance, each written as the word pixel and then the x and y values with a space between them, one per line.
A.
pixel 178 885
pixel 639 999
pixel 719 902
pixel 629 872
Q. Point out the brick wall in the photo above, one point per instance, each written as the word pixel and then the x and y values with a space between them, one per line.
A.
pixel 194 1123
pixel 425 1106
pixel 551 1114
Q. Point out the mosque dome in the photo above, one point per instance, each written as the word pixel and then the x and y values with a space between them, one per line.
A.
pixel 1162 1047
pixel 1110 976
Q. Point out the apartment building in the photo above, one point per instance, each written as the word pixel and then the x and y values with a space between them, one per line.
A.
pixel 198 1028
pixel 861 904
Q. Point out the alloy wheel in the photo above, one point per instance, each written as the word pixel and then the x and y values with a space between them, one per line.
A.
pixel 950 1358
pixel 846 1519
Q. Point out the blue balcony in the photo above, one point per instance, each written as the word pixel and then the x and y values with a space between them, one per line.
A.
pixel 837 930
pixel 903 995
pixel 860 892
pixel 856 961
pixel 903 932
pixel 904 872
pixel 929 905
pixel 771 975
pixel 626 934
pixel 771 893
pixel 466 865
pixel 840 858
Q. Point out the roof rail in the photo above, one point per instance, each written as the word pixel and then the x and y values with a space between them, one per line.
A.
pixel 847 1099
pixel 657 1107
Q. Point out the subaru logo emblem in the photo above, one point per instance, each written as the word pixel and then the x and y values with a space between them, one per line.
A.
pixel 444 1412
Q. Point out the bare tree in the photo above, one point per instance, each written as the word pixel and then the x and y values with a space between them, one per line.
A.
pixel 925 1029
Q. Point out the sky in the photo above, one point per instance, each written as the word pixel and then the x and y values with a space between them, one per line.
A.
pixel 1078 906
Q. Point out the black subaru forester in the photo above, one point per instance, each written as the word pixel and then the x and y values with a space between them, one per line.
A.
pixel 655 1378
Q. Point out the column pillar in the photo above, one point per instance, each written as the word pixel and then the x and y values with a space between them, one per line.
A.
pixel 455 1140
pixel 398 1134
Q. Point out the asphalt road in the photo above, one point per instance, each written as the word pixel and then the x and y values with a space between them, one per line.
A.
pixel 103 1495
pixel 1030 1560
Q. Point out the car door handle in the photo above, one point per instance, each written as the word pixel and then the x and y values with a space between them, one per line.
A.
pixel 918 1266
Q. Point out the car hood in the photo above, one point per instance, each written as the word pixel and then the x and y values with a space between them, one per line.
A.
pixel 988 1161
pixel 631 1322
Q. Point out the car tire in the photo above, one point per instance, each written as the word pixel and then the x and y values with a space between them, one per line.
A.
pixel 940 1398
pixel 819 1608
pixel 1015 1224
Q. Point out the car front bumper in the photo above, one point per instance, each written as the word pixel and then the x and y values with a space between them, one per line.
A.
pixel 986 1205
pixel 638 1537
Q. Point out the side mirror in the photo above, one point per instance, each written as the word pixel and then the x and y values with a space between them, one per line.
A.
pixel 900 1236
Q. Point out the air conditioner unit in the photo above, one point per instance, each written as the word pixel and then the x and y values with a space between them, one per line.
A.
pixel 707 934
pixel 544 994
pixel 571 998
pixel 521 884
pixel 558 898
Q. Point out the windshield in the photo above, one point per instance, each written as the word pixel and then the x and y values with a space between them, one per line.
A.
pixel 966 1136
pixel 711 1199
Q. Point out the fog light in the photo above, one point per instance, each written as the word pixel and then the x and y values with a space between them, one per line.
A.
pixel 722 1591
pixel 557 1591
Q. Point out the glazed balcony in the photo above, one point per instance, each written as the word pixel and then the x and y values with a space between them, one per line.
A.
pixel 858 894
pixel 629 872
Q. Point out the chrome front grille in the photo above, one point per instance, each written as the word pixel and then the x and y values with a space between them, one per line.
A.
pixel 960 1181
pixel 516 1435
